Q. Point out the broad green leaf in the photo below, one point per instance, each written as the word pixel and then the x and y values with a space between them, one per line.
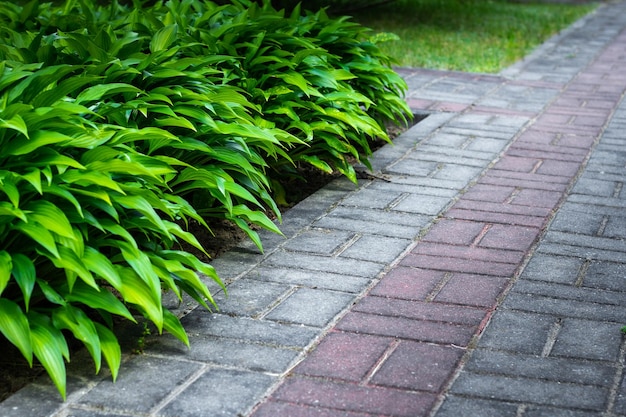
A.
pixel 6 266
pixel 40 235
pixel 102 267
pixel 317 163
pixel 7 184
pixel 82 327
pixel 50 293
pixel 173 325
pixel 33 177
pixel 15 123
pixel 97 92
pixel 140 262
pixel 49 216
pixel 87 178
pixel 38 139
pixel 7 209
pixel 110 349
pixel 69 261
pixel 14 326
pixel 24 273
pixel 50 347
pixel 136 291
pixel 163 38
pixel 98 299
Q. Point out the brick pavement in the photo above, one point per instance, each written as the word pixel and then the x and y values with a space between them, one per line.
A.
pixel 482 276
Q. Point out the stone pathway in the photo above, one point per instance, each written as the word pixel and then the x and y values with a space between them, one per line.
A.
pixel 482 275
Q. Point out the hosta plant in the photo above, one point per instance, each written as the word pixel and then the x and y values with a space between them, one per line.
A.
pixel 86 226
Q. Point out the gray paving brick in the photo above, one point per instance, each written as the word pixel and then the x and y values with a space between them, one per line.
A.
pixel 385 249
pixel 456 406
pixel 544 267
pixel 311 279
pixel 607 275
pixel 532 391
pixel 381 186
pixel 410 168
pixel 571 292
pixel 564 307
pixel 592 253
pixel 367 269
pixel 535 411
pixel 385 227
pixel 249 297
pixel 32 400
pixel 588 340
pixel 219 393
pixel 571 221
pixel 422 204
pixel 311 307
pixel 517 332
pixel 372 198
pixel 202 322
pixel 319 241
pixel 141 384
pixel 77 412
pixel 538 367
pixel 451 156
pixel 226 352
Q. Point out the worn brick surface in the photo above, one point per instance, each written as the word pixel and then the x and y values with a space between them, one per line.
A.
pixel 349 397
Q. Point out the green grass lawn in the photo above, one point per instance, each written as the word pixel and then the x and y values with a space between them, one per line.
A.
pixel 466 35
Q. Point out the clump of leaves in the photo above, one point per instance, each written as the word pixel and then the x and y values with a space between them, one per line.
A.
pixel 119 125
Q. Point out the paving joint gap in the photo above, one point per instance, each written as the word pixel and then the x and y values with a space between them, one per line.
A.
pixel 380 362
pixel 582 273
pixel 521 410
pixel 178 389
pixel 435 291
pixel 602 227
pixel 553 334
pixel 618 189
pixel 480 236
pixel 619 373
pixel 397 201
pixel 346 245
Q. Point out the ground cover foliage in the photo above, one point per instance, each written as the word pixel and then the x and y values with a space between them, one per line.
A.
pixel 121 124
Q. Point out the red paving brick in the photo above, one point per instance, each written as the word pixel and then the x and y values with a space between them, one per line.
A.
pixel 344 356
pixel 420 310
pixel 351 397
pixel 404 328
pixel 280 409
pixel 418 366
pixel 408 283
pixel 472 266
pixel 471 290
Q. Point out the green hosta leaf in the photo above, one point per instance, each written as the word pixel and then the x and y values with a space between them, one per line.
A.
pixel 137 292
pixel 8 185
pixel 82 327
pixel 50 216
pixel 37 140
pixel 33 177
pixel 87 178
pixel 7 209
pixel 40 235
pixel 317 163
pixel 63 193
pixel 50 347
pixel 163 38
pixel 14 326
pixel 15 123
pixel 140 262
pixel 140 204
pixel 71 262
pixel 98 299
pixel 175 122
pixel 110 349
pixel 6 266
pixel 50 293
pixel 102 266
pixel 24 273
pixel 173 325
pixel 97 92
